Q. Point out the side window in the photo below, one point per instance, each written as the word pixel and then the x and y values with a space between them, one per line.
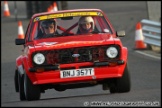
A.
pixel 39 31
pixel 33 31
pixel 102 25
pixel 97 24
pixel 106 27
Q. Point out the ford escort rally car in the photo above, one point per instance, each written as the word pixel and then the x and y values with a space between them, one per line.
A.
pixel 69 59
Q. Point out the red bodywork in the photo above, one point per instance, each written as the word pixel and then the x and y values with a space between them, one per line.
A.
pixel 53 76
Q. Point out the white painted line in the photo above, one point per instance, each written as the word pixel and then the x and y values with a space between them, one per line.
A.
pixel 148 55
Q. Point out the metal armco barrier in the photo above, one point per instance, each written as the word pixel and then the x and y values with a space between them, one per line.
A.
pixel 151 32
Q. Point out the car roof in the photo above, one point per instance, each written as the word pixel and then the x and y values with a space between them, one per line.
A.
pixel 62 11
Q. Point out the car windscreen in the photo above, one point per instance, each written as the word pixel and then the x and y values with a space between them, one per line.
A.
pixel 68 26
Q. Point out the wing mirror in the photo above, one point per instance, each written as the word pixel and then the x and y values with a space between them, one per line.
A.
pixel 120 33
pixel 19 41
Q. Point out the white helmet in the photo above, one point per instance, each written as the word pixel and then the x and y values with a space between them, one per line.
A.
pixel 86 19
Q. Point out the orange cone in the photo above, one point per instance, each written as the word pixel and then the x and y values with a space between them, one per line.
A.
pixel 55 7
pixel 6 12
pixel 51 8
pixel 139 38
pixel 20 30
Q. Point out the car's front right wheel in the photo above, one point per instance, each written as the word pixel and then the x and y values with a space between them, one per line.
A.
pixel 32 92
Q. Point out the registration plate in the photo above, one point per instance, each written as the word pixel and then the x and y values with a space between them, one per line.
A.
pixel 77 72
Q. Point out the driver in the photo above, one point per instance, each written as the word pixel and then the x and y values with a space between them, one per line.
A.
pixel 49 27
pixel 86 24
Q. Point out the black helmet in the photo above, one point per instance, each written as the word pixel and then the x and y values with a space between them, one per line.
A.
pixel 48 22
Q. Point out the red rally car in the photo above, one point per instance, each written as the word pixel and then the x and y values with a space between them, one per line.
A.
pixel 71 49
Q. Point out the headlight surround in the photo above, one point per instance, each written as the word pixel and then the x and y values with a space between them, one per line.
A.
pixel 39 58
pixel 112 52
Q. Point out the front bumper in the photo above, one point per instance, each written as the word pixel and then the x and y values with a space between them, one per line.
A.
pixel 51 74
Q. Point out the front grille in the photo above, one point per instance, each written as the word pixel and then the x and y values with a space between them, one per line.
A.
pixel 76 55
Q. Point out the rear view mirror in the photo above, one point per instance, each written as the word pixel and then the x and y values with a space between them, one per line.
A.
pixel 66 18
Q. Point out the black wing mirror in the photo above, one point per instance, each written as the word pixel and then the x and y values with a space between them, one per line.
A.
pixel 19 41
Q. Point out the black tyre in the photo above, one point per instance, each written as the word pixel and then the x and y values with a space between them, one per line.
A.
pixel 122 84
pixel 32 92
pixel 21 87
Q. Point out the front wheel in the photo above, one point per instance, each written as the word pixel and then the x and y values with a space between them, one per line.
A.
pixel 122 84
pixel 32 92
pixel 21 87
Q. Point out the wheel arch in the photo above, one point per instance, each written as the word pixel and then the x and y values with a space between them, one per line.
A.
pixel 21 64
pixel 124 56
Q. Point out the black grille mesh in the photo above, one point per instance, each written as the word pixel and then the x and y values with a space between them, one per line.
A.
pixel 76 55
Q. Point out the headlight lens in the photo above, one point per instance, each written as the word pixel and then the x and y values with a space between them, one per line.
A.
pixel 39 58
pixel 112 52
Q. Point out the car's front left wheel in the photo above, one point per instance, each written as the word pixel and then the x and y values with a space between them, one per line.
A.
pixel 32 92
pixel 21 86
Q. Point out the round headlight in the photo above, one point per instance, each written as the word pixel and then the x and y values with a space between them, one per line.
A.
pixel 39 58
pixel 111 52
